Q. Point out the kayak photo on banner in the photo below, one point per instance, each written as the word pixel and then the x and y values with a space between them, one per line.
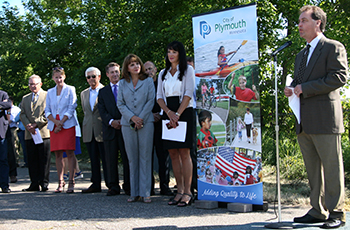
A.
pixel 229 164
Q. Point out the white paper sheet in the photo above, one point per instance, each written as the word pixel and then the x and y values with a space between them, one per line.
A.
pixel 174 134
pixel 294 100
pixel 37 137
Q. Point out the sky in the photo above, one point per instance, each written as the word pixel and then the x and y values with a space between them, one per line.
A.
pixel 17 3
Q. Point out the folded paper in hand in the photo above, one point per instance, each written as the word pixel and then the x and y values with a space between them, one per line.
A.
pixel 37 137
pixel 174 134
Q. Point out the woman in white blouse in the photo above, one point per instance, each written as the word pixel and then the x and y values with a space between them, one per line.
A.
pixel 61 102
pixel 174 96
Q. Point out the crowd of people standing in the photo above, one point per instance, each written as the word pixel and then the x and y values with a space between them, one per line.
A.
pixel 124 117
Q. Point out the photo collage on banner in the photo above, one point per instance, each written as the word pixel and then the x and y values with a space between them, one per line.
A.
pixel 229 163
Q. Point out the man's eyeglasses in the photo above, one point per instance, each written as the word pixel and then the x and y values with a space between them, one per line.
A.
pixel 58 68
pixel 33 84
pixel 92 76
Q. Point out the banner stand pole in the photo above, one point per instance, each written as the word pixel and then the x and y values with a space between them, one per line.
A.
pixel 279 224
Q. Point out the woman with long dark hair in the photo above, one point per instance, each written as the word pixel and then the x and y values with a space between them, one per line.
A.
pixel 174 96
pixel 135 102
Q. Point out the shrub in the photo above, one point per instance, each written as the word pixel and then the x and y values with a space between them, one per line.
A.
pixel 291 160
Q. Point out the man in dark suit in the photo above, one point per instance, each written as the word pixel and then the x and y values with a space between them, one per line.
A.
pixel 112 136
pixel 162 154
pixel 92 129
pixel 320 70
pixel 5 104
pixel 33 118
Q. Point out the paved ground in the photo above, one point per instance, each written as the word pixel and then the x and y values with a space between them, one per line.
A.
pixel 38 210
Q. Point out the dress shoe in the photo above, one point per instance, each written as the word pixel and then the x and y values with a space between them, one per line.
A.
pixel 308 219
pixel 133 199
pixel 333 223
pixel 91 190
pixel 146 199
pixel 153 193
pixel 31 188
pixel 167 192
pixel 112 192
pixel 44 188
pixel 6 190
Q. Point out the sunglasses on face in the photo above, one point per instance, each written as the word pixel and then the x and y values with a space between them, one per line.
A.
pixel 93 76
pixel 58 68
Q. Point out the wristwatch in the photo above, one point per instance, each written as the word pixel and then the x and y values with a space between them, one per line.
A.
pixel 177 114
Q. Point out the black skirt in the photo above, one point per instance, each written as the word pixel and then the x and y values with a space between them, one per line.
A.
pixel 173 103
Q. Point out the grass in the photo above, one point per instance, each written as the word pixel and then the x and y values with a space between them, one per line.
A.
pixel 223 104
pixel 291 193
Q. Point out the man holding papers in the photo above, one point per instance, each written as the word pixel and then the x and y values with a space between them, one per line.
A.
pixel 320 71
pixel 37 136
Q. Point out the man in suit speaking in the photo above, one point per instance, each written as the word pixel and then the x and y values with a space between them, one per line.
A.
pixel 92 129
pixel 320 71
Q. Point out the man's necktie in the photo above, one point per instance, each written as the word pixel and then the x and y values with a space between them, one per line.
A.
pixel 299 78
pixel 35 100
pixel 115 92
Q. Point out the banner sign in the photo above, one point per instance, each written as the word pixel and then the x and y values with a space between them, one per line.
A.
pixel 228 106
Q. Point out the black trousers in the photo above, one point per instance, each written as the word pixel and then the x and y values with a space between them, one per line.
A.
pixel 112 148
pixel 248 128
pixel 163 159
pixel 39 162
pixel 96 152
pixel 193 153
pixel 11 154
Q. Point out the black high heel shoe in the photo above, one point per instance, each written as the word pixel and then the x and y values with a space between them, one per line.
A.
pixel 175 202
pixel 71 186
pixel 183 203
pixel 60 187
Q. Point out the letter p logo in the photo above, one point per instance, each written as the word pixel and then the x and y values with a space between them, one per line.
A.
pixel 205 28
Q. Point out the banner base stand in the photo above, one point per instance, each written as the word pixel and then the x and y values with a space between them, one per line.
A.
pixel 259 208
pixel 206 204
pixel 240 207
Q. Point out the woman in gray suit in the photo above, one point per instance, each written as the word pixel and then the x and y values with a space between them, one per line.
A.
pixel 135 102
pixel 61 102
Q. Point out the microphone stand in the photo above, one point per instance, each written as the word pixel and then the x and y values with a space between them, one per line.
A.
pixel 279 224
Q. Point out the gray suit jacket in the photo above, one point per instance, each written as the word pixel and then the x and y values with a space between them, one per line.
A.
pixel 326 72
pixel 138 101
pixel 36 115
pixel 92 123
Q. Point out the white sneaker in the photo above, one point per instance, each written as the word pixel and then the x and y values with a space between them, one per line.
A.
pixel 79 175
pixel 66 176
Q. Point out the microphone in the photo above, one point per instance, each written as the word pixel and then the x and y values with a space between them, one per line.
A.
pixel 279 49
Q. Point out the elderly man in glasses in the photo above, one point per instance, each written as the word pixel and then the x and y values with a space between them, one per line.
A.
pixel 92 128
pixel 33 118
